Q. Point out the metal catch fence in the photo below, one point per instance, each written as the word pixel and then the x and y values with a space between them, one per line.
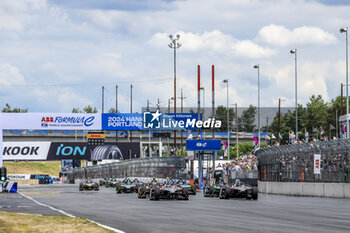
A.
pixel 295 163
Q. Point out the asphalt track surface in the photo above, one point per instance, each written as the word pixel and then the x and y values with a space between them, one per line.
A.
pixel 270 213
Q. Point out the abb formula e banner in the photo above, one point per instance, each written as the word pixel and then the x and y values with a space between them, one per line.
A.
pixel 50 121
pixel 69 150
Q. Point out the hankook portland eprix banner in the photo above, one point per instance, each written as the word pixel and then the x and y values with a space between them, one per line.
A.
pixel 69 150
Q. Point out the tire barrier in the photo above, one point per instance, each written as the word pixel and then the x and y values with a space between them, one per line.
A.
pixel 174 167
pixel 297 163
pixel 106 152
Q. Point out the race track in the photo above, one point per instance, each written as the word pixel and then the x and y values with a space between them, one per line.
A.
pixel 270 213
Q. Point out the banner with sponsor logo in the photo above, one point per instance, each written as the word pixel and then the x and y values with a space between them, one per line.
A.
pixel 317 164
pixel 122 121
pixel 82 151
pixel 175 121
pixel 50 121
pixel 25 150
pixel 18 176
pixel 13 151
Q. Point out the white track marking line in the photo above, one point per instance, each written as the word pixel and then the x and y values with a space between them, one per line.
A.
pixel 72 216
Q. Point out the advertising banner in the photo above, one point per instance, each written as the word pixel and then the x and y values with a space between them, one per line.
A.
pixel 18 176
pixel 317 164
pixel 174 121
pixel 13 151
pixel 50 121
pixel 25 150
pixel 82 151
pixel 122 121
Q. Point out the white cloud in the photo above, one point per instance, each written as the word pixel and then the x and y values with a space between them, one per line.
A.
pixel 214 41
pixel 10 74
pixel 65 99
pixel 281 36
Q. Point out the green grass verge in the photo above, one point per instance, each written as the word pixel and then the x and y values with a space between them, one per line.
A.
pixel 51 168
pixel 11 222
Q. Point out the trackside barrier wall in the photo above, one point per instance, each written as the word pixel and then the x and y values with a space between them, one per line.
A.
pixel 295 163
pixel 173 167
pixel 338 190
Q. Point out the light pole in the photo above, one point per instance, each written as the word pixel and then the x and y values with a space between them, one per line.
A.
pixel 347 83
pixel 294 51
pixel 202 88
pixel 258 68
pixel 182 98
pixel 228 122
pixel 169 100
pixel 174 45
pixel 279 118
pixel 237 152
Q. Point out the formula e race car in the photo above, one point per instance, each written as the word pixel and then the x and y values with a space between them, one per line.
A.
pixel 220 190
pixel 241 190
pixel 191 189
pixel 88 185
pixel 167 191
pixel 111 183
pixel 126 186
pixel 144 189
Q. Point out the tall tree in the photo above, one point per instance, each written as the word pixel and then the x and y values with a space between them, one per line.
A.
pixel 112 110
pixel 247 120
pixel 221 114
pixel 86 109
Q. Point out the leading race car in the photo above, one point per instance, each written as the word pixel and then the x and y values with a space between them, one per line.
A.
pixel 241 190
pixel 88 185
pixel 126 186
pixel 168 191
pixel 144 189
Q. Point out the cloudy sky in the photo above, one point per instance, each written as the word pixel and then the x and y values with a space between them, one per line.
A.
pixel 57 54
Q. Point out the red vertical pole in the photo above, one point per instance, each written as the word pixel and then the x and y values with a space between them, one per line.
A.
pixel 213 110
pixel 199 109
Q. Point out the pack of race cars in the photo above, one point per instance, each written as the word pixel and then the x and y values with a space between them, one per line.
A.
pixel 173 189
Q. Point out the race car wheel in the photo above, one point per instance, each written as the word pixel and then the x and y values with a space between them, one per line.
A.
pixel 139 192
pixel 255 193
pixel 248 194
pixel 81 188
pixel 207 191
pixel 227 193
pixel 118 188
pixel 156 193
pixel 97 188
